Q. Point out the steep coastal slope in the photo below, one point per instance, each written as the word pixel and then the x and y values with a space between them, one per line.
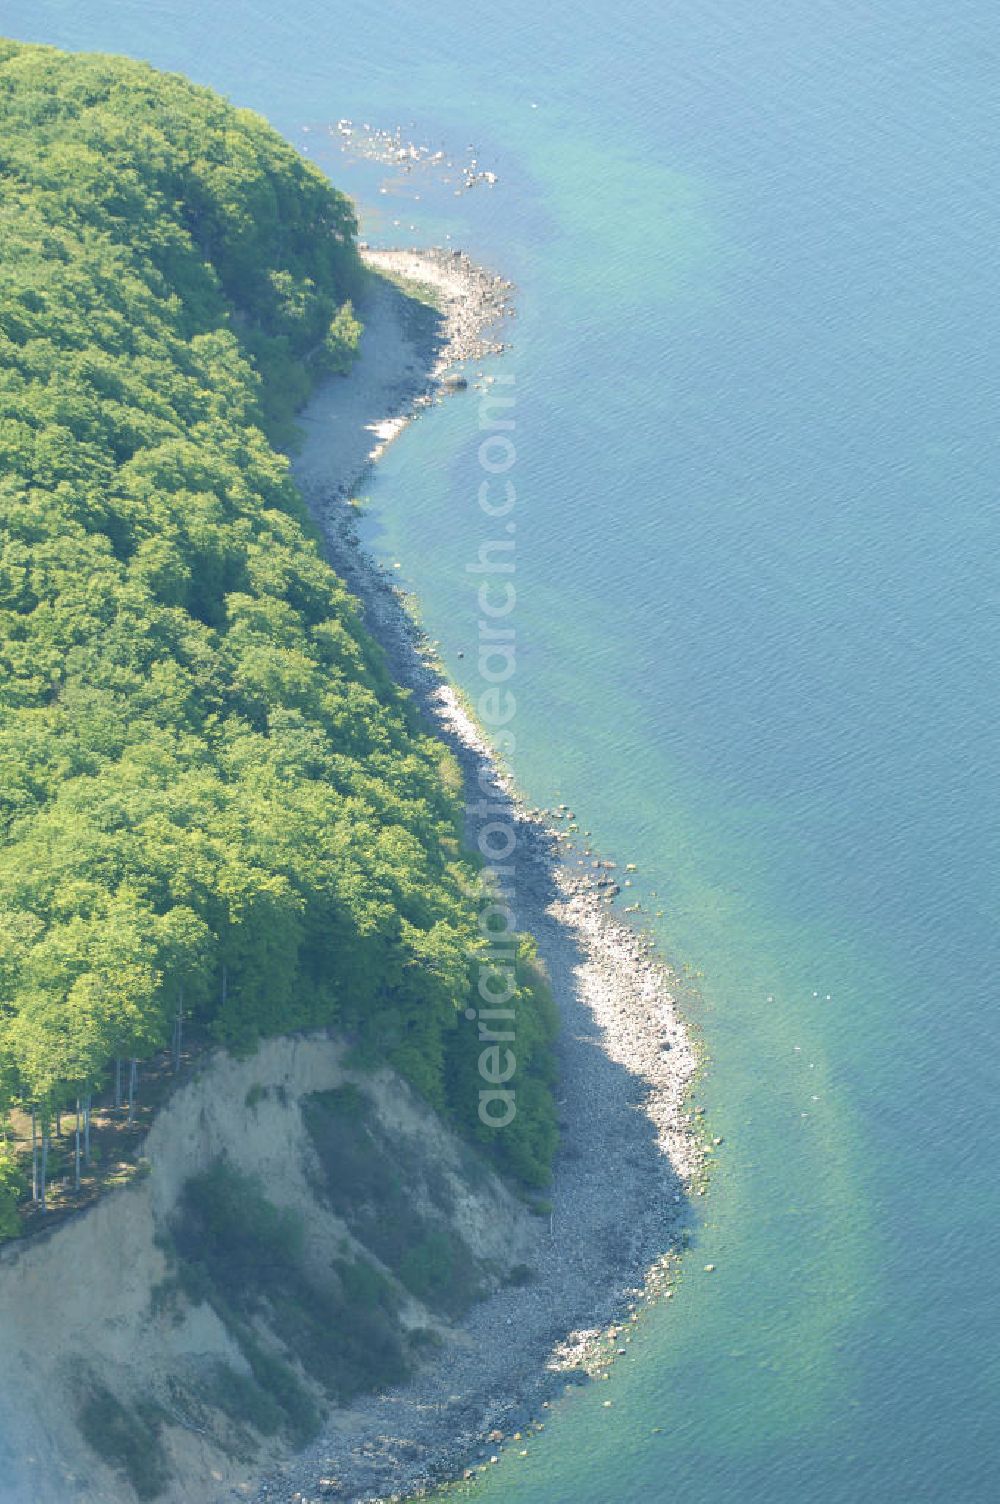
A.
pixel 305 1231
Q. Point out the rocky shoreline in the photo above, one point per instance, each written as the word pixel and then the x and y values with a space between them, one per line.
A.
pixel 631 1154
pixel 471 300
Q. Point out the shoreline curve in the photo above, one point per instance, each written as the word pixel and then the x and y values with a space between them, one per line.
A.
pixel 630 1155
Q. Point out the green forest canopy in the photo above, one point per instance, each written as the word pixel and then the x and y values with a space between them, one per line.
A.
pixel 214 801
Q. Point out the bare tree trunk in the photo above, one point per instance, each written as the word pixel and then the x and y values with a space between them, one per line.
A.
pixel 86 1129
pixel 225 984
pixel 45 1164
pixel 179 1028
pixel 118 1081
pixel 76 1168
pixel 133 1087
pixel 34 1157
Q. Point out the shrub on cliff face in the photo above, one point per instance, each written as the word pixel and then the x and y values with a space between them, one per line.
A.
pixel 340 341
pixel 127 1437
pixel 247 1258
pixel 393 1200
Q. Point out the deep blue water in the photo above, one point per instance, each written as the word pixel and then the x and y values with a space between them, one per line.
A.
pixel 757 365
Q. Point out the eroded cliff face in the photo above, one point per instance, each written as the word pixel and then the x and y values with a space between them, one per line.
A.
pixel 305 1231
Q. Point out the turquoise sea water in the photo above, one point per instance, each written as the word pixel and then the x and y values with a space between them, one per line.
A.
pixel 757 364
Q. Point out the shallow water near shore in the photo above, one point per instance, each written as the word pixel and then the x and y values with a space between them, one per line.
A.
pixel 756 372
